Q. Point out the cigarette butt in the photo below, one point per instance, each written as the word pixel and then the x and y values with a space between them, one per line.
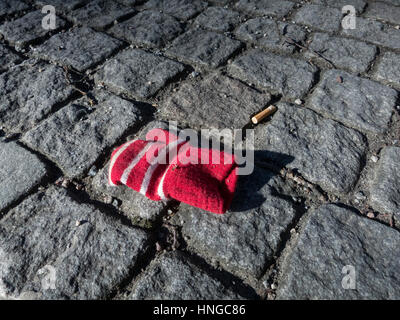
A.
pixel 263 114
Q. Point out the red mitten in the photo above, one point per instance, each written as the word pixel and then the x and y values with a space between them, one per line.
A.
pixel 208 186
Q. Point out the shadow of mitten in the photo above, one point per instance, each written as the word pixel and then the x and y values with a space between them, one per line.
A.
pixel 164 167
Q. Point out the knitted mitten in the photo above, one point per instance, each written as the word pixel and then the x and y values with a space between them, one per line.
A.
pixel 209 186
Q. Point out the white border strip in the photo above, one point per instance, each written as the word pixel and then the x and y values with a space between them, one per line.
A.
pixel 149 173
pixel 114 159
pixel 134 162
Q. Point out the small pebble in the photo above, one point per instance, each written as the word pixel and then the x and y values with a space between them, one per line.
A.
pixel 339 79
pixel 271 296
pixel 298 101
pixel 77 223
pixel 92 171
pixel 158 247
pixel 370 215
pixel 79 186
pixel 273 286
pixel 107 199
pixel 360 196
pixel 115 203
pixel 66 183
pixel 374 158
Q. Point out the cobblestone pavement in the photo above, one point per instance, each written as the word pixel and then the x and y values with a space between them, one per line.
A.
pixel 318 218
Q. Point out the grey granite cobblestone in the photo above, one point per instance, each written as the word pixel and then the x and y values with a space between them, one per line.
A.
pixel 30 91
pixel 323 151
pixel 28 28
pixel 350 54
pixel 7 58
pixel 11 6
pixel 375 32
pixel 244 239
pixel 392 2
pixel 218 19
pixel 289 77
pixel 205 48
pixel 76 135
pixel 388 68
pixel 359 5
pixel 319 17
pixel 180 9
pixel 384 12
pixel 271 34
pixel 99 14
pixel 172 276
pixel 231 107
pixel 351 102
pixel 151 28
pixel 86 260
pixel 385 192
pixel 277 8
pixel 137 72
pixel 20 171
pixel 79 48
pixel 337 242
pixel 62 5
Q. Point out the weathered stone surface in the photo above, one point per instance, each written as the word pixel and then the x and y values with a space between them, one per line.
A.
pixel 325 152
pixel 215 102
pixel 245 238
pixel 383 11
pixel 389 68
pixel 134 204
pixel 393 2
pixel 62 5
pixel 24 30
pixel 385 189
pixel 99 13
pixel 151 28
pixel 206 48
pixel 80 48
pixel 289 77
pixel 40 241
pixel 11 6
pixel 354 102
pixel 220 2
pixel 137 72
pixel 319 17
pixel 278 8
pixel 336 237
pixel 218 19
pixel 29 91
pixel 375 32
pixel 271 34
pixel 342 52
pixel 7 58
pixel 77 134
pixel 172 276
pixel 359 5
pixel 20 171
pixel 129 2
pixel 180 9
